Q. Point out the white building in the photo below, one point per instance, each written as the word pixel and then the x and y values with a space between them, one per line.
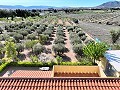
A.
pixel 113 62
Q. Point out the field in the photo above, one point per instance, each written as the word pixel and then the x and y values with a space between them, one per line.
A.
pixel 59 36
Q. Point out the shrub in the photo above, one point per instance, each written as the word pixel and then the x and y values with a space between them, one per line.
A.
pixel 3 66
pixel 48 64
pixel 70 28
pixel 81 33
pixel 34 58
pixel 59 59
pixel 78 30
pixel 89 41
pixel 83 37
pixel 75 20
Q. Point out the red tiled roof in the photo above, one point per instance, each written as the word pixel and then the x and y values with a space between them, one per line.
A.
pixel 59 83
pixel 30 73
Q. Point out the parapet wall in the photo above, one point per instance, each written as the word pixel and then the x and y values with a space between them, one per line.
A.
pixel 78 69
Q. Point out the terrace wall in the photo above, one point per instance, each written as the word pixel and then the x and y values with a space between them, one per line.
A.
pixel 81 69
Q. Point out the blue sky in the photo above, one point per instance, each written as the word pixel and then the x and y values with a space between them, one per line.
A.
pixel 58 3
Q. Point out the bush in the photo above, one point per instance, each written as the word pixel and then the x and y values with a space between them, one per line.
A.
pixel 3 66
pixel 31 64
pixel 59 59
pixel 34 58
pixel 75 20
pixel 78 30
pixel 40 64
pixel 48 64
pixel 81 33
pixel 89 41
pixel 83 37
pixel 70 28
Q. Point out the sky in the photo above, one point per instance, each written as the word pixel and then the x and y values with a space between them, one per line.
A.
pixel 58 3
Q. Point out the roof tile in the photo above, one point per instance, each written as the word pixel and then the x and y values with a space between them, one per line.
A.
pixel 59 84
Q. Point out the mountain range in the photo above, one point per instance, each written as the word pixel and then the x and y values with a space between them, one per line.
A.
pixel 111 4
pixel 24 7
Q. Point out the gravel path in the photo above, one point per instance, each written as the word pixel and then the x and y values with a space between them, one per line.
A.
pixel 70 54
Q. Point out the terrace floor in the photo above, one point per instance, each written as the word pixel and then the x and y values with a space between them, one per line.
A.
pixel 25 72
pixel 31 73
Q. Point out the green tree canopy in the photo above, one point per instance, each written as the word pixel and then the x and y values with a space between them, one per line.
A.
pixel 30 44
pixel 95 50
pixel 19 47
pixel 115 35
pixel 10 49
pixel 38 49
pixel 59 49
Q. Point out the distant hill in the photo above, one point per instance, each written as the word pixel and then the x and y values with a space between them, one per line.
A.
pixel 25 7
pixel 111 4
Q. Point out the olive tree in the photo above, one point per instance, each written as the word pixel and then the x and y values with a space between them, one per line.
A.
pixel 43 39
pixel 10 50
pixel 29 44
pixel 19 47
pixel 59 49
pixel 18 37
pixel 59 40
pixel 115 35
pixel 1 30
pixel 38 49
pixel 78 49
pixel 24 33
pixel 31 36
